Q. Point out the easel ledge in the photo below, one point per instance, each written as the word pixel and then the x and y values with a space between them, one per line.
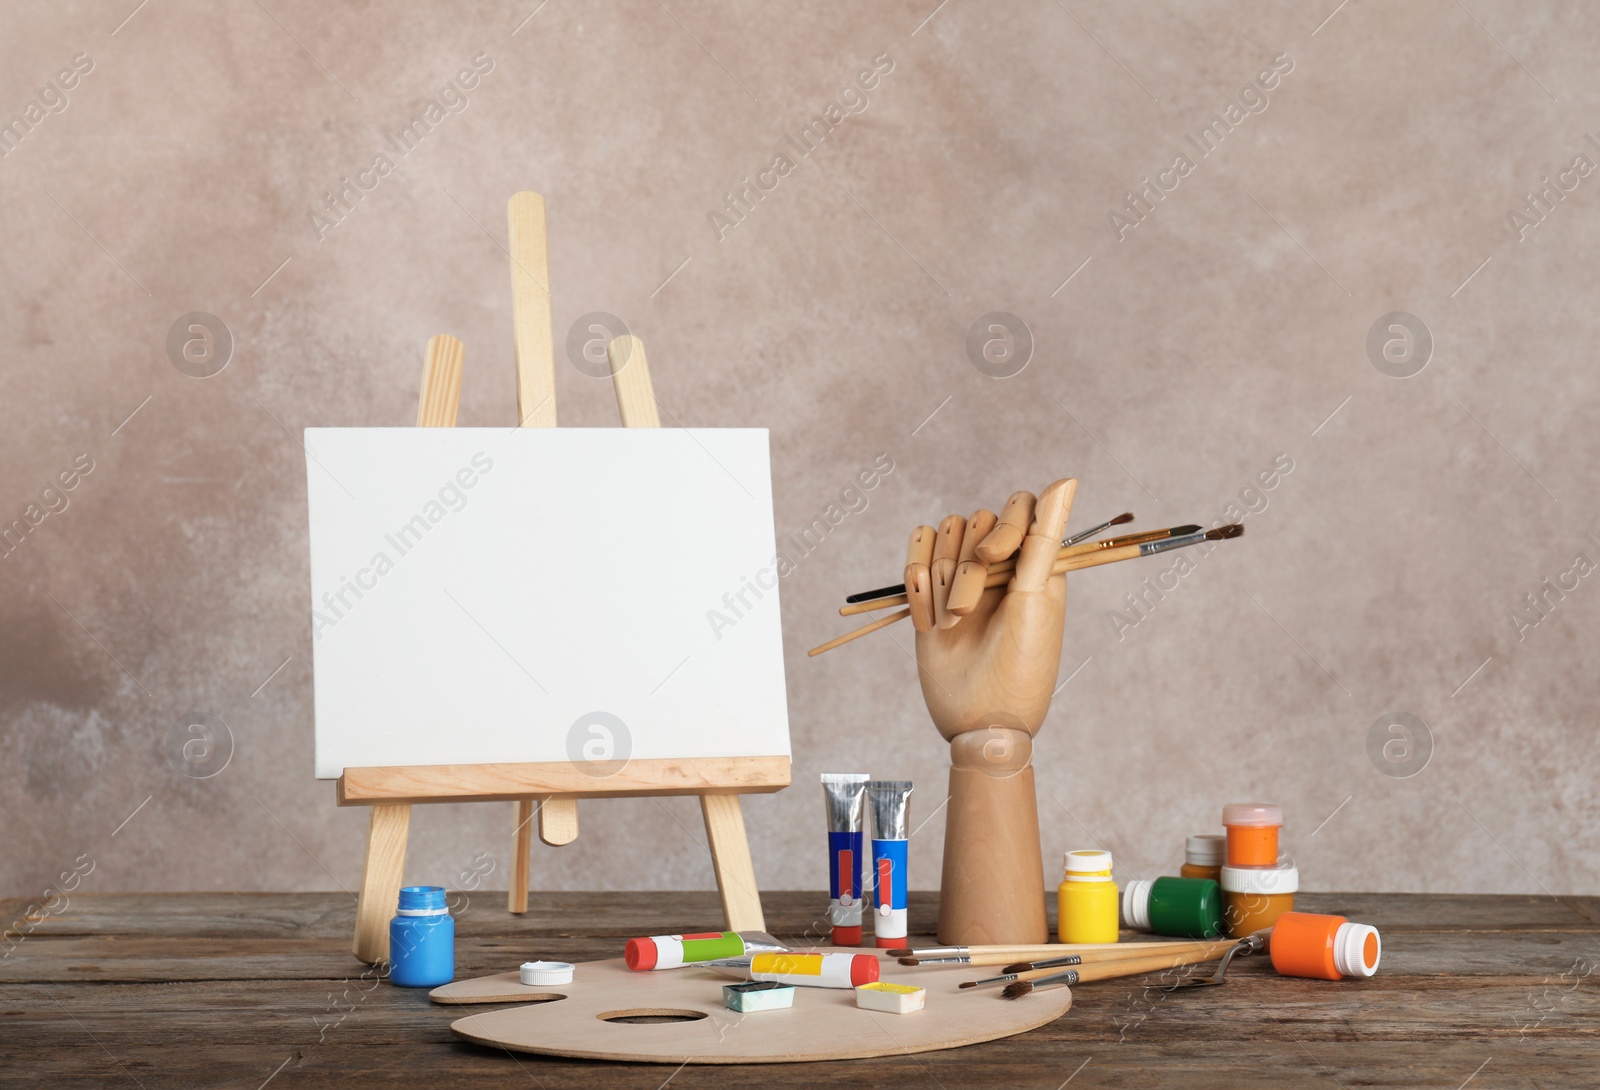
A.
pixel 513 782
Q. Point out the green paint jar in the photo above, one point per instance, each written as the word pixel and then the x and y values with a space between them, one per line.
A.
pixel 1189 908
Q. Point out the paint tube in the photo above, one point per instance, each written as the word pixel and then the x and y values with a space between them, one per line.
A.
pixel 804 970
pixel 676 951
pixel 891 828
pixel 845 794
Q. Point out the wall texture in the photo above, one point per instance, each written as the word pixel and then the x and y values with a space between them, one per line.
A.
pixel 1218 344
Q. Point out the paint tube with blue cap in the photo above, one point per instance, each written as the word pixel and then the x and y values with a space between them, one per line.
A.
pixel 891 829
pixel 845 795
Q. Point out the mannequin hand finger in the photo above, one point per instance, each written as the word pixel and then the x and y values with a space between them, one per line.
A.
pixel 1043 542
pixel 943 574
pixel 967 587
pixel 952 531
pixel 971 572
pixel 919 594
pixel 920 548
pixel 1007 535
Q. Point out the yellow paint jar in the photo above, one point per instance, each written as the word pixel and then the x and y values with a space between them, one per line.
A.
pixel 1254 897
pixel 1087 899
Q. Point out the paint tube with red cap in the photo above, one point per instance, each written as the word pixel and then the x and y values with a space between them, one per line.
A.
pixel 891 829
pixel 845 794
pixel 804 970
pixel 676 951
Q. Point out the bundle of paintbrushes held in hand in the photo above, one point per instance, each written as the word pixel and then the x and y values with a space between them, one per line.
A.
pixel 949 569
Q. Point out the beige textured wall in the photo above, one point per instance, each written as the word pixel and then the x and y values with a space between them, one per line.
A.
pixel 1224 334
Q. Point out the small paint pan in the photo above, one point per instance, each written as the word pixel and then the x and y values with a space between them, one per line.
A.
pixel 757 995
pixel 891 998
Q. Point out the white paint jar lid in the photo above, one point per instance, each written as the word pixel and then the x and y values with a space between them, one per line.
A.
pixel 547 972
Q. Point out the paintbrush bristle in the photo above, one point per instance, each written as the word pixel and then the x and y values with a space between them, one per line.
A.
pixel 1019 967
pixel 1125 517
pixel 1222 533
pixel 1017 990
pixel 968 984
pixel 910 961
pixel 901 953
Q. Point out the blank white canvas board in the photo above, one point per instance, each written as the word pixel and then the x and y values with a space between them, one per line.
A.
pixel 497 595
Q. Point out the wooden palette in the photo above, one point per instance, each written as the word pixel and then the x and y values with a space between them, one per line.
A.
pixel 823 1024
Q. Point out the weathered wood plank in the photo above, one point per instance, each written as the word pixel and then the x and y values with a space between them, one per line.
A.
pixel 204 1032
pixel 625 914
pixel 1410 958
pixel 226 989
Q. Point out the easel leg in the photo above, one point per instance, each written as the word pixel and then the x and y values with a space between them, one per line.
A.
pixel 380 880
pixel 558 820
pixel 521 859
pixel 730 858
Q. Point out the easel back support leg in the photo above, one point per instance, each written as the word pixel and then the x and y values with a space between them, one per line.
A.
pixel 558 820
pixel 380 880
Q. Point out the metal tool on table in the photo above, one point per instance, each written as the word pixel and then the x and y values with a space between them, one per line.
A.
pixel 1250 944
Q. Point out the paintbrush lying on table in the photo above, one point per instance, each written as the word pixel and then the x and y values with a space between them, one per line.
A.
pixel 1174 955
pixel 1108 970
pixel 1019 957
pixel 1063 564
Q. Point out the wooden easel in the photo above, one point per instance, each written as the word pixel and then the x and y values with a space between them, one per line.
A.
pixel 551 789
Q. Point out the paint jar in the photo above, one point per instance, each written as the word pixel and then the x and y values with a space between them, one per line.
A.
pixel 1087 899
pixel 1203 856
pixel 1189 908
pixel 1252 833
pixel 422 939
pixel 1254 897
pixel 1324 947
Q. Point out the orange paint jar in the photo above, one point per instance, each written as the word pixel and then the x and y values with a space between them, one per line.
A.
pixel 1324 947
pixel 1252 833
pixel 1254 897
pixel 1203 856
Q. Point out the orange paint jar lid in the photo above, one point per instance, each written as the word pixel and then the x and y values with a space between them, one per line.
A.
pixel 1252 813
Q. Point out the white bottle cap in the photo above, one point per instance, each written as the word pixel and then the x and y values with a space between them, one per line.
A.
pixel 1264 880
pixel 1205 850
pixel 1356 949
pixel 1088 865
pixel 1136 903
pixel 547 972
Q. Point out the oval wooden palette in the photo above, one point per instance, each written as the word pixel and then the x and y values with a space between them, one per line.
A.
pixel 823 1024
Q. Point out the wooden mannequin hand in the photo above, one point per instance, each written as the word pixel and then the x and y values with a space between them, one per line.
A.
pixel 994 664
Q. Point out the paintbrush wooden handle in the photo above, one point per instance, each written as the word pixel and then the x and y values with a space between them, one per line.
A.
pixel 1112 970
pixel 1210 948
pixel 1070 559
pixel 1115 970
pixel 1006 954
pixel 882 622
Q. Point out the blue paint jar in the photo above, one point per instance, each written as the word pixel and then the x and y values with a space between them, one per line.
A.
pixel 422 939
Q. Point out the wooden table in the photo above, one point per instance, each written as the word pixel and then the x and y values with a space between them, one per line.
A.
pixel 214 989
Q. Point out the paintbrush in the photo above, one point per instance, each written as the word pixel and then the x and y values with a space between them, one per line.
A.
pixel 900 588
pixel 1014 973
pixel 858 603
pixel 1004 954
pixel 1174 953
pixel 1094 531
pixel 1109 970
pixel 1073 563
